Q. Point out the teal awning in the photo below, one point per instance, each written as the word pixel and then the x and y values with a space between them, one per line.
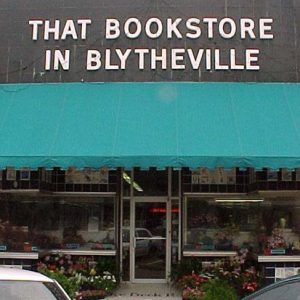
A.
pixel 150 125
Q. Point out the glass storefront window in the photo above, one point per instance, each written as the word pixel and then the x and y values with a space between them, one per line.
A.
pixel 211 226
pixel 50 222
pixel 269 227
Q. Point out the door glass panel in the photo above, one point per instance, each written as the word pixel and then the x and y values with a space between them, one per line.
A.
pixel 175 232
pixel 150 240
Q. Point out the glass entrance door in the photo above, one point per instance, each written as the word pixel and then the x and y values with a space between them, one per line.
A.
pixel 150 241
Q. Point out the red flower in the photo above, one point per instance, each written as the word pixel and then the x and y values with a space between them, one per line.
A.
pixel 250 286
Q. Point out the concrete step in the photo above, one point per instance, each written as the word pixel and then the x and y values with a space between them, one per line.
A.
pixel 146 291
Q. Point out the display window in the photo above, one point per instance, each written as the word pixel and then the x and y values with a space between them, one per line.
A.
pixel 32 223
pixel 267 226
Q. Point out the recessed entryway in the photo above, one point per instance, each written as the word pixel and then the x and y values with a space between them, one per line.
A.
pixel 150 262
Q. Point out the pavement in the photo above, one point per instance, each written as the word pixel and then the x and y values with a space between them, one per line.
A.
pixel 146 291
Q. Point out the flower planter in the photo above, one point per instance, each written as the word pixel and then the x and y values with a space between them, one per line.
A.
pixel 189 293
pixel 91 295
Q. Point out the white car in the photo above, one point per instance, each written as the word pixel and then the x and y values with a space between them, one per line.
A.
pixel 17 284
pixel 146 243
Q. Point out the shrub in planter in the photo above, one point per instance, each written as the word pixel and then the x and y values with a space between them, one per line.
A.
pixel 240 272
pixel 216 289
pixel 80 276
pixel 107 264
pixel 185 267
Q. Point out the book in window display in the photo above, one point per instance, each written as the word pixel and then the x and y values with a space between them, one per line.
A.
pixel 201 176
pixel 11 174
pixel 272 175
pixel 87 175
pixel 43 175
pixel 205 176
pixel 219 176
pixel 231 176
pixel 25 174
pixel 286 175
pixel 252 175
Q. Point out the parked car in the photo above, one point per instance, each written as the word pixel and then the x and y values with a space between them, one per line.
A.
pixel 18 284
pixel 146 243
pixel 286 289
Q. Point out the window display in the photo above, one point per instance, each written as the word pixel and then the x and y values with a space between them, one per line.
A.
pixel 33 223
pixel 268 227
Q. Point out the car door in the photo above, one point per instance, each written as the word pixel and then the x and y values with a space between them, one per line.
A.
pixel 288 291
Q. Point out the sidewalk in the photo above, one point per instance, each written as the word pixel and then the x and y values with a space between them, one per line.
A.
pixel 146 291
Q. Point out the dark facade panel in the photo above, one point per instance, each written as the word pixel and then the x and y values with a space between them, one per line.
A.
pixel 23 60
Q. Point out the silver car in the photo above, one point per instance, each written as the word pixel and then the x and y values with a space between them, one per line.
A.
pixel 287 289
pixel 17 284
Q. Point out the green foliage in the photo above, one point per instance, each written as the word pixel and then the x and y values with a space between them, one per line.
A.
pixel 219 290
pixel 81 274
pixel 186 266
pixel 69 285
pixel 106 264
pixel 106 283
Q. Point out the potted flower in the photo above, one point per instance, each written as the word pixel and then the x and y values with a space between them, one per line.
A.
pixel 192 281
pixel 27 247
pixel 192 294
pixel 276 242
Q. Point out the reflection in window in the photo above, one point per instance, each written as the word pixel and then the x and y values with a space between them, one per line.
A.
pixel 269 227
pixel 44 222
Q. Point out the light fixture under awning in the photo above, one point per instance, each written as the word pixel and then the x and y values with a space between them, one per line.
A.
pixel 239 200
pixel 128 179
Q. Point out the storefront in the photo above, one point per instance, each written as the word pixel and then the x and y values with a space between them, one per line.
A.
pixel 159 225
pixel 149 133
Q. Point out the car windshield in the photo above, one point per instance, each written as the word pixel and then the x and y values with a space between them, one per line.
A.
pixel 26 290
pixel 287 291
